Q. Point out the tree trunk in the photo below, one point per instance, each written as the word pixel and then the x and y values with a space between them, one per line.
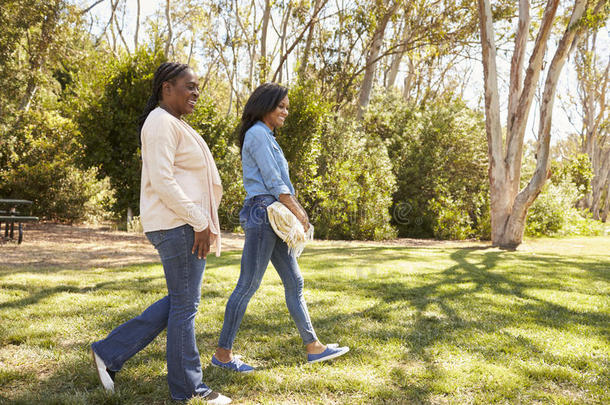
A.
pixel 252 49
pixel 313 20
pixel 169 28
pixel 119 29
pixel 135 37
pixel 606 208
pixel 129 216
pixel 304 60
pixel 500 202
pixel 599 185
pixel 264 63
pixel 284 23
pixel 397 57
pixel 371 60
pixel 509 208
pixel 592 87
pixel 37 55
pixel 409 79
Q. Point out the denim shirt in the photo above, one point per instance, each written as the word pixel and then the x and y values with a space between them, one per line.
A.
pixel 264 167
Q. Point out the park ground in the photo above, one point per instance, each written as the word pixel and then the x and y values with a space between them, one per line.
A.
pixel 427 322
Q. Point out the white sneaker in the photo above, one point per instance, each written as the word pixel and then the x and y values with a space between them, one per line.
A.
pixel 216 398
pixel 106 376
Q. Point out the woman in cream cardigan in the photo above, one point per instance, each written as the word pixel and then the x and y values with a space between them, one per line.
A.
pixel 266 180
pixel 179 198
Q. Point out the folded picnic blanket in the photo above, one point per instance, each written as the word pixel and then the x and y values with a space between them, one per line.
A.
pixel 289 228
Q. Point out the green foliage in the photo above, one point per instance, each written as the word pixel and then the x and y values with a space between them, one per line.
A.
pixel 39 163
pixel 300 140
pixel 439 158
pixel 356 185
pixel 452 220
pixel 578 169
pixel 108 122
pixel 219 133
pixel 553 212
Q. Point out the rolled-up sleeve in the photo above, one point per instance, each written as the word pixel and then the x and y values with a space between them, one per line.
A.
pixel 260 148
pixel 158 152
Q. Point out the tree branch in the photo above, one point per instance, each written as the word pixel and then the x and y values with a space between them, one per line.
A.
pixel 492 98
pixel 311 21
pixel 85 11
pixel 169 28
pixel 515 136
pixel 530 192
pixel 517 62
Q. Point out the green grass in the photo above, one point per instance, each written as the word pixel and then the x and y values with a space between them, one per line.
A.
pixel 425 325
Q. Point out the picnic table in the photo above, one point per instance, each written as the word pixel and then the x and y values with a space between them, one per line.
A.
pixel 9 214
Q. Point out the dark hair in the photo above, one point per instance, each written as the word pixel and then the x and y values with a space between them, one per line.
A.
pixel 264 99
pixel 165 72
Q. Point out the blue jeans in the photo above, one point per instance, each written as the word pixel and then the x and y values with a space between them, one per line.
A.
pixel 176 311
pixel 262 245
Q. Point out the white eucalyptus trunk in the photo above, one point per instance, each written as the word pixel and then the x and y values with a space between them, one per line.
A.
pixel 509 205
pixel 168 18
pixel 371 60
pixel 264 63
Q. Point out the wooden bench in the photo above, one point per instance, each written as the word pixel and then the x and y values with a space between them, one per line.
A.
pixel 9 215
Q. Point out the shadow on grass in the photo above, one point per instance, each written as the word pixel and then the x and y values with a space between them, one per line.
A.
pixel 458 296
pixel 75 381
pixel 460 305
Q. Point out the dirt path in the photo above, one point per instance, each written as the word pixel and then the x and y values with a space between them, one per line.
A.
pixel 81 247
pixel 53 245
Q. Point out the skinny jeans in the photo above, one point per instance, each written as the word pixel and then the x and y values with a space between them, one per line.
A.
pixel 261 246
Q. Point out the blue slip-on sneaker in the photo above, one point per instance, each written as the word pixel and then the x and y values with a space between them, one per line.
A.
pixel 234 365
pixel 332 351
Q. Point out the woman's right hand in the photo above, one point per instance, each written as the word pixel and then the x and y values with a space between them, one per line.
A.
pixel 297 209
pixel 201 245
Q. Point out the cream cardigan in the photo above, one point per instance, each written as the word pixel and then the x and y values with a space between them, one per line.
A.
pixel 180 181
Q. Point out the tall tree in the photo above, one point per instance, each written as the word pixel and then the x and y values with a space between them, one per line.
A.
pixel 317 6
pixel 135 36
pixel 168 17
pixel 592 93
pixel 509 205
pixel 376 42
pixel 264 63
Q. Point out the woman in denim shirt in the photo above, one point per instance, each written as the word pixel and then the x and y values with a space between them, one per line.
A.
pixel 266 180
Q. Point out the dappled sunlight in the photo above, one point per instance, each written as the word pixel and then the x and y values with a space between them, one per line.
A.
pixel 425 325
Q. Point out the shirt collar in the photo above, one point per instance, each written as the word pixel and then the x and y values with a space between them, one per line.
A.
pixel 262 124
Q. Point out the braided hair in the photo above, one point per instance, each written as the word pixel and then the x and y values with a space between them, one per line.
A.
pixel 264 99
pixel 165 72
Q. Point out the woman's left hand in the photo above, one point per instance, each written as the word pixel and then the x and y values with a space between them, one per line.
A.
pixel 202 243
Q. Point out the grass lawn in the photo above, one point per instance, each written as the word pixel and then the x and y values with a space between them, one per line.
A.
pixel 425 325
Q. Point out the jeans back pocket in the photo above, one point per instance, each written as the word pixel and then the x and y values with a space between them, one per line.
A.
pixel 156 237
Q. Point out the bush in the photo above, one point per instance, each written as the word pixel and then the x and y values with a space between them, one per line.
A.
pixel 578 170
pixel 439 158
pixel 109 127
pixel 40 164
pixel 452 220
pixel 553 212
pixel 356 185
pixel 218 131
pixel 300 140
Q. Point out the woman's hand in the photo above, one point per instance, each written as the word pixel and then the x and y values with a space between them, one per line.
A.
pixel 202 243
pixel 297 209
